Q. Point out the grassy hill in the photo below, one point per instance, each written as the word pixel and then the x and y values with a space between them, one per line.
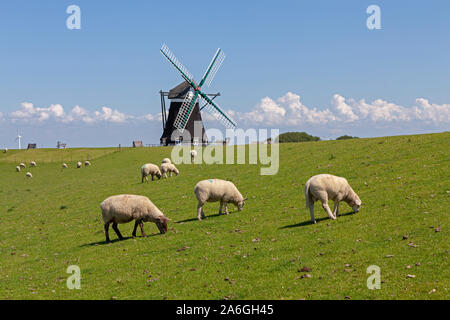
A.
pixel 54 221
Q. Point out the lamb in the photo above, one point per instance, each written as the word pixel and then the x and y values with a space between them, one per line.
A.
pixel 29 175
pixel 193 155
pixel 214 190
pixel 64 166
pixel 166 160
pixel 125 208
pixel 326 187
pixel 78 165
pixel 150 169
pixel 87 163
pixel 18 168
pixel 169 168
pixel 22 165
pixel 33 164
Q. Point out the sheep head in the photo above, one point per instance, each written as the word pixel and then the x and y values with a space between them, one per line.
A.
pixel 161 223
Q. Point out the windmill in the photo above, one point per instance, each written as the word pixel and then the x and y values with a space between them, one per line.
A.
pixel 19 137
pixel 186 98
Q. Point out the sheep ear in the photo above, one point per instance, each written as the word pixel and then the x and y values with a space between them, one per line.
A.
pixel 245 199
pixel 164 219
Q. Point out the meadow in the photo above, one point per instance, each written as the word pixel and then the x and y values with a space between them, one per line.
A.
pixel 263 252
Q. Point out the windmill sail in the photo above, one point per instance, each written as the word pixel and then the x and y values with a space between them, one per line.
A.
pixel 186 110
pixel 218 113
pixel 177 64
pixel 213 67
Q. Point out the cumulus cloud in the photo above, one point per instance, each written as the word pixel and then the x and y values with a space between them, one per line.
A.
pixel 55 112
pixel 285 110
pixel 288 110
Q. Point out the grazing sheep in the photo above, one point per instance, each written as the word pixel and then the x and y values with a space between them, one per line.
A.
pixel 64 166
pixel 169 168
pixel 87 163
pixel 150 169
pixel 33 164
pixel 193 155
pixel 18 169
pixel 5 150
pixel 214 190
pixel 166 160
pixel 22 165
pixel 326 187
pixel 78 165
pixel 125 208
pixel 29 175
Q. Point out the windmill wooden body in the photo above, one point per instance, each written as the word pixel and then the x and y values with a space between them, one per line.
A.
pixel 184 122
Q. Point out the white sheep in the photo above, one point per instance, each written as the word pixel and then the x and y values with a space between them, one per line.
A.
pixel 18 168
pixel 150 169
pixel 125 208
pixel 166 160
pixel 87 163
pixel 64 166
pixel 29 175
pixel 5 150
pixel 78 165
pixel 22 165
pixel 33 164
pixel 193 155
pixel 169 168
pixel 326 187
pixel 214 190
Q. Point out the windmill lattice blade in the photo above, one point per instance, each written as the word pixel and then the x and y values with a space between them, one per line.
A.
pixel 185 110
pixel 220 115
pixel 176 63
pixel 213 67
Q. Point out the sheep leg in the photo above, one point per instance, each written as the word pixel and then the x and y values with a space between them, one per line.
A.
pixel 311 212
pixel 326 207
pixel 153 177
pixel 336 209
pixel 107 232
pixel 226 208
pixel 141 225
pixel 114 226
pixel 200 213
pixel 135 228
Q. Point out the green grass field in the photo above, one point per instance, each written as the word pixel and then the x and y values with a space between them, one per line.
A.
pixel 53 221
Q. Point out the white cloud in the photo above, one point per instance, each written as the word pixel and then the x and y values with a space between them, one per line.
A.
pixel 343 109
pixel 432 112
pixel 109 115
pixel 289 111
pixel 29 113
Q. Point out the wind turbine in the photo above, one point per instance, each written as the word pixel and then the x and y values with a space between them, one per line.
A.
pixel 19 137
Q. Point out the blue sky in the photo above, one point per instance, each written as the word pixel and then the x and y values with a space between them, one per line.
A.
pixel 313 63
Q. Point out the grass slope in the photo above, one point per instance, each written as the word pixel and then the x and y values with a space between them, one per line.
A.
pixel 54 220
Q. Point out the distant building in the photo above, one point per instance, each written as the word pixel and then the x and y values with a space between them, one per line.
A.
pixel 61 145
pixel 31 146
pixel 138 144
